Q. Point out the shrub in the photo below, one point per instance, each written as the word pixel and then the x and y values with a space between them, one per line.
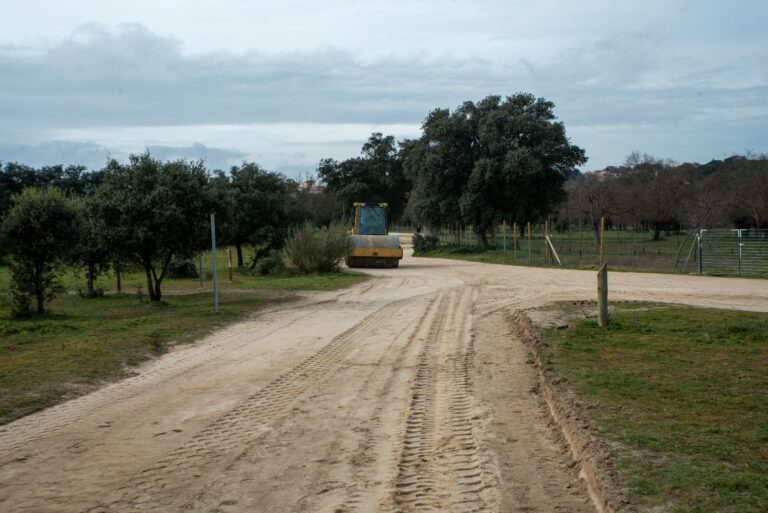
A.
pixel 182 269
pixel 424 243
pixel 91 293
pixel 272 264
pixel 313 250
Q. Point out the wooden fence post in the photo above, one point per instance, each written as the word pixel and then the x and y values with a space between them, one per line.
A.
pixel 602 240
pixel 602 296
pixel 530 256
pixel 514 240
pixel 504 234
pixel 229 262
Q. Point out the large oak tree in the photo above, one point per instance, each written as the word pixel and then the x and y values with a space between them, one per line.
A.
pixel 499 158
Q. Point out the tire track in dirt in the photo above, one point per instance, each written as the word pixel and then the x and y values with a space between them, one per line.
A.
pixel 473 474
pixel 361 495
pixel 416 483
pixel 363 473
pixel 442 466
pixel 156 488
pixel 50 421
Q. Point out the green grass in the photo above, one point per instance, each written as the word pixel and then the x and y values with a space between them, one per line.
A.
pixel 81 343
pixel 682 397
pixel 495 256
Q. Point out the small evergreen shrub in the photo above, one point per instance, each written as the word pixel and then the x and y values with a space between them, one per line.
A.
pixel 424 243
pixel 271 265
pixel 312 250
pixel 182 269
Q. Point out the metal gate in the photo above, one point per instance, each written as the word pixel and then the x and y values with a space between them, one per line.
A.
pixel 736 252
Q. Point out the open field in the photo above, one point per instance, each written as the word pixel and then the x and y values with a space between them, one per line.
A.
pixel 409 392
pixel 680 394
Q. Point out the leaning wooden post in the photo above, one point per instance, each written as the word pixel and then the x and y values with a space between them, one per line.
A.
pixel 602 296
pixel 530 255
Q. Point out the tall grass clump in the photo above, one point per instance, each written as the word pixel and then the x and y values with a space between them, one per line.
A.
pixel 313 250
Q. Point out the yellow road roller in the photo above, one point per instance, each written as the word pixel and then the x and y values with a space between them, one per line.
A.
pixel 372 246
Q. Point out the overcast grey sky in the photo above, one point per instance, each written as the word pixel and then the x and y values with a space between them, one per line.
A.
pixel 288 82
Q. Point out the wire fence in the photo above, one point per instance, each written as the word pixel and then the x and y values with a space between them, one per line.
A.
pixel 723 252
pixel 741 252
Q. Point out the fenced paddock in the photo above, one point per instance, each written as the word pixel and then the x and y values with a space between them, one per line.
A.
pixel 723 252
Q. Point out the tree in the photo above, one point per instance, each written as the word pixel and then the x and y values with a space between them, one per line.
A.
pixel 91 251
pixel 497 158
pixel 376 176
pixel 258 217
pixel 748 180
pixel 151 212
pixel 653 190
pixel 40 231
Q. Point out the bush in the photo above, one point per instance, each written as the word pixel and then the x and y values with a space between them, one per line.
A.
pixel 272 264
pixel 182 269
pixel 424 243
pixel 313 250
pixel 91 294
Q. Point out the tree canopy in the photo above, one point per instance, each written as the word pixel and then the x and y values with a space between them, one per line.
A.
pixel 499 158
pixel 376 176
pixel 152 211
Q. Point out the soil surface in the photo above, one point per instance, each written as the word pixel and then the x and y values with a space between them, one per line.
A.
pixel 410 392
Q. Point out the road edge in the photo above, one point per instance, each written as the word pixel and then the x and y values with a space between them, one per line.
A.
pixel 589 452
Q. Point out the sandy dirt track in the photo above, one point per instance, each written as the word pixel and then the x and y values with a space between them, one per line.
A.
pixel 406 393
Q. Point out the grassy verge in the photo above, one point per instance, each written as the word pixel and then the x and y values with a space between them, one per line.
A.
pixel 682 399
pixel 84 342
pixel 495 256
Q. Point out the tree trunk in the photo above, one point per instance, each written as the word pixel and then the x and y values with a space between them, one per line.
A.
pixel 90 279
pixel 150 285
pixel 118 272
pixel 596 230
pixel 239 254
pixel 480 235
pixel 656 231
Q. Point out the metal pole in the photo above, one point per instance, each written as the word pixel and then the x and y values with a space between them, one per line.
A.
pixel 213 254
pixel 740 245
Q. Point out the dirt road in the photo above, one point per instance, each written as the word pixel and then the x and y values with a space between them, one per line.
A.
pixel 405 393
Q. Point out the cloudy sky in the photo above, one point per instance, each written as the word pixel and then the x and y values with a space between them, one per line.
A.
pixel 288 82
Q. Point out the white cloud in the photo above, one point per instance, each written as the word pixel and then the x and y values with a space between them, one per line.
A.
pixel 287 82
